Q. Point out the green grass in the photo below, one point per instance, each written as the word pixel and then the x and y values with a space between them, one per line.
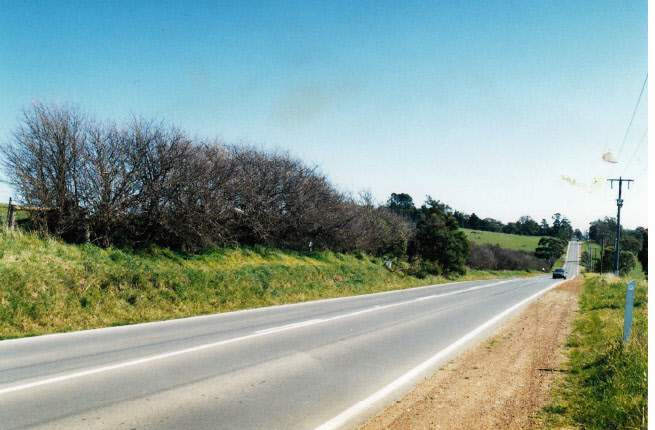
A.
pixel 606 385
pixel 637 273
pixel 511 241
pixel 48 286
pixel 559 263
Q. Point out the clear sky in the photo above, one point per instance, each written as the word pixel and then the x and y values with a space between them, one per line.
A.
pixel 502 108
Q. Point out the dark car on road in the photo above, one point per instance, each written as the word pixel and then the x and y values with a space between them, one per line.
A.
pixel 559 273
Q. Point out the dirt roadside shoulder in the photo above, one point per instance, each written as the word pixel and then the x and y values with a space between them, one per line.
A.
pixel 502 382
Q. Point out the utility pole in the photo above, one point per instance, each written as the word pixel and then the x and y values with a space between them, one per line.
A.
pixel 591 259
pixel 602 247
pixel 619 203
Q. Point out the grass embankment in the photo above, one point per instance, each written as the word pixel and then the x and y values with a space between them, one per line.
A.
pixel 559 263
pixel 606 384
pixel 48 286
pixel 511 241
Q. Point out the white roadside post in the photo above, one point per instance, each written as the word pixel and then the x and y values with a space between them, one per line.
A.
pixel 629 301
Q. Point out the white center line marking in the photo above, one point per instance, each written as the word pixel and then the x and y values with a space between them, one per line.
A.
pixel 289 326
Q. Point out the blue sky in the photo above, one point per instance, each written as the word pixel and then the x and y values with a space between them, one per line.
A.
pixel 484 105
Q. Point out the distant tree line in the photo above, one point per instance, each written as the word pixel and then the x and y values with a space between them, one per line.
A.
pixel 483 257
pixel 561 228
pixel 525 226
pixel 633 247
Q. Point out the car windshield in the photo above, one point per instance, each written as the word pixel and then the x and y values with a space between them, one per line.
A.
pixel 559 270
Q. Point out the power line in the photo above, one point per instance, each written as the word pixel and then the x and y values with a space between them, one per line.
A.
pixel 635 153
pixel 642 173
pixel 633 116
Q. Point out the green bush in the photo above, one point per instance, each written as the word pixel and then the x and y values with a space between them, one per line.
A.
pixel 421 269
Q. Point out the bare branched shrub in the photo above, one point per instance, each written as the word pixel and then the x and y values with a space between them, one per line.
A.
pixel 481 257
pixel 148 183
pixel 396 233
pixel 279 201
pixel 164 156
pixel 493 257
pixel 109 183
pixel 43 162
pixel 379 230
pixel 317 213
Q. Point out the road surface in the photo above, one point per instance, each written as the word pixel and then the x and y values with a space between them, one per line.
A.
pixel 317 365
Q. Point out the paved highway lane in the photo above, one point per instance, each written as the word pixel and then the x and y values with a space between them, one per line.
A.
pixel 324 364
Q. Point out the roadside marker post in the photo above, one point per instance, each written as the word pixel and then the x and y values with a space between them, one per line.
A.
pixel 629 301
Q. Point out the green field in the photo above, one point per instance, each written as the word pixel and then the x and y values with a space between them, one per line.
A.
pixel 3 213
pixel 49 286
pixel 511 241
pixel 605 383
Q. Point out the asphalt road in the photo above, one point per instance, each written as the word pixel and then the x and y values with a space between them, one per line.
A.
pixel 323 364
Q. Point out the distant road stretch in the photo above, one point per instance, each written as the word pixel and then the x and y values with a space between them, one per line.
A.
pixel 317 365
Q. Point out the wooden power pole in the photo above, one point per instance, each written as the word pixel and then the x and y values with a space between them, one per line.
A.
pixel 619 204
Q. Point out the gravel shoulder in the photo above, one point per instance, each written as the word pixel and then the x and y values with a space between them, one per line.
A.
pixel 502 382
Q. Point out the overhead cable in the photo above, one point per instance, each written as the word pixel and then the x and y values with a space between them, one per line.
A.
pixel 634 153
pixel 633 117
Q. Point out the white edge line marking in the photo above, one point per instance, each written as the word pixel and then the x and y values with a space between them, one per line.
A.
pixel 259 333
pixel 361 406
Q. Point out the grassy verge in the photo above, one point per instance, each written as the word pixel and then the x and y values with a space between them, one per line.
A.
pixel 637 273
pixel 511 241
pixel 606 384
pixel 48 286
pixel 559 263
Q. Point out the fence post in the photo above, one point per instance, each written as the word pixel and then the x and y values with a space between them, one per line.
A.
pixel 629 301
pixel 11 215
pixel 5 221
pixel 86 232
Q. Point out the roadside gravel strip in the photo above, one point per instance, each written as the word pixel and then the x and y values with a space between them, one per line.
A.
pixel 501 383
